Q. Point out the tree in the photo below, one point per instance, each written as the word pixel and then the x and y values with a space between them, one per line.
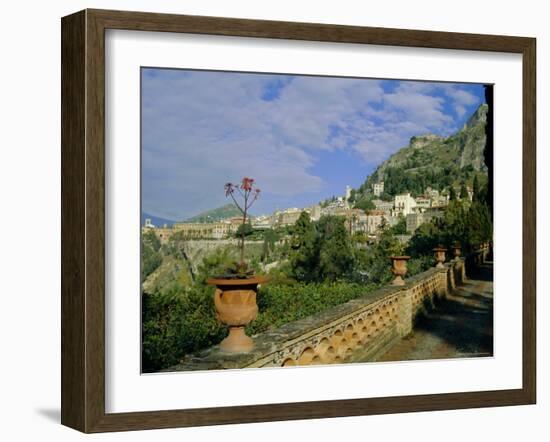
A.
pixel 270 238
pixel 376 260
pixel 401 227
pixel 476 189
pixel 336 253
pixel 364 204
pixel 425 238
pixel 452 194
pixel 151 257
pixel 151 240
pixel 321 251
pixel 464 192
pixel 383 224
pixel 352 195
pixel 466 223
pixel 265 251
pixel 303 249
pixel 479 227
pixel 244 230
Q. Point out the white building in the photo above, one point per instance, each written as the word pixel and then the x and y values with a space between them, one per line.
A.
pixel 403 204
pixel 378 188
pixel 262 222
pixel 423 203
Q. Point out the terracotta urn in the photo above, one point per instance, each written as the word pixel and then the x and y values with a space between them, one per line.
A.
pixel 235 301
pixel 440 257
pixel 399 268
pixel 457 250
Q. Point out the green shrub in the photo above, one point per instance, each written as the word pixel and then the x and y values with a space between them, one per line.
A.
pixel 419 264
pixel 284 303
pixel 177 324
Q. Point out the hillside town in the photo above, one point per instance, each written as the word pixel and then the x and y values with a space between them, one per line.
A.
pixel 415 210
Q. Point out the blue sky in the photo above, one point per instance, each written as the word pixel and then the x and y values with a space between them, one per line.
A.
pixel 303 138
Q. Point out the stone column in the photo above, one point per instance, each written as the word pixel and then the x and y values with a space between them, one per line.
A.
pixel 451 276
pixel 442 283
pixel 462 271
pixel 405 312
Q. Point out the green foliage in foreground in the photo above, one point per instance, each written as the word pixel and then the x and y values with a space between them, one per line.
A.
pixel 177 324
pixel 185 322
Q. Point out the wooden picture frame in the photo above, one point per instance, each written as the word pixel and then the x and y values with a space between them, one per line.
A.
pixel 83 220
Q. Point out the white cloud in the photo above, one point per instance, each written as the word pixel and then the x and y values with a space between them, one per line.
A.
pixel 201 129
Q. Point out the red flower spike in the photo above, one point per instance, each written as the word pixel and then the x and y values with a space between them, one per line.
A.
pixel 247 183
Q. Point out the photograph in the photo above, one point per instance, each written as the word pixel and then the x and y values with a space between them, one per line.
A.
pixel 299 220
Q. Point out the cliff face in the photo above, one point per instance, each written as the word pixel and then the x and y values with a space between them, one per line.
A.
pixel 473 140
pixel 431 153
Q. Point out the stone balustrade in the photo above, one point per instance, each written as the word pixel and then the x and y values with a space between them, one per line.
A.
pixel 360 330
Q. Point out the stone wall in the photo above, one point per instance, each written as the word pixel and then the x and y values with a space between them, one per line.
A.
pixel 360 330
pixel 196 250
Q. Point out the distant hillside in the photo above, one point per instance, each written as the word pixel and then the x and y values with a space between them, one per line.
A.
pixel 157 221
pixel 214 215
pixel 431 160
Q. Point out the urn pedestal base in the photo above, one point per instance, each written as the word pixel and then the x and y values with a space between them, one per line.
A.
pixel 398 281
pixel 237 341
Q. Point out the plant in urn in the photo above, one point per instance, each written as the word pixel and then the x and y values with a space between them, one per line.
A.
pixel 235 295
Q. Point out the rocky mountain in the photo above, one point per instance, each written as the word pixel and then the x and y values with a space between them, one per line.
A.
pixel 432 160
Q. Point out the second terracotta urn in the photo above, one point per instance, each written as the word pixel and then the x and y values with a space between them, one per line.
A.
pixel 457 250
pixel 440 256
pixel 399 268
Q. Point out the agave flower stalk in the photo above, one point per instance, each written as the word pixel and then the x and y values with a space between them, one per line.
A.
pixel 249 193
